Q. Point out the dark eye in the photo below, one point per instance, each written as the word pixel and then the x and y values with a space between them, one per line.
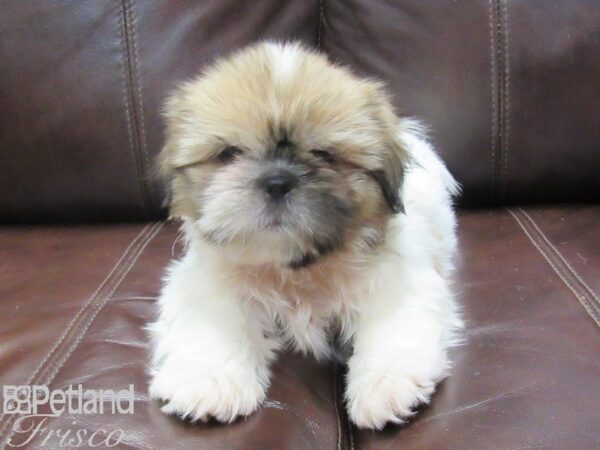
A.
pixel 229 153
pixel 324 155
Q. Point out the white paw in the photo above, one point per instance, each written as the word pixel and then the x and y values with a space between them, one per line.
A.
pixel 375 398
pixel 222 393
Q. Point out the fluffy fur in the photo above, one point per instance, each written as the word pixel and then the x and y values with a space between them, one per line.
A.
pixel 359 251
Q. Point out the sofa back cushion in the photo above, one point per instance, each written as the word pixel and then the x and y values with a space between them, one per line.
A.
pixel 510 90
pixel 81 87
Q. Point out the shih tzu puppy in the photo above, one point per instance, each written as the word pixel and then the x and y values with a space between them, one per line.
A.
pixel 310 211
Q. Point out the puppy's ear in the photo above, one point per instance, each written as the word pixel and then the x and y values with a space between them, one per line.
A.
pixel 170 161
pixel 394 155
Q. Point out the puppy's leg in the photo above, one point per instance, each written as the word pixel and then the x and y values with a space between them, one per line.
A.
pixel 400 347
pixel 211 355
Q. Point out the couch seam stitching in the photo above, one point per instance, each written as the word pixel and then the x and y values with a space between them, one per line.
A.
pixel 103 303
pixel 40 368
pixel 65 356
pixel 562 258
pixel 492 25
pixel 564 275
pixel 506 89
pixel 336 406
pixel 90 301
pixel 93 304
pixel 349 427
pixel 129 98
pixel 320 28
pixel 351 434
pixel 568 277
pixel 500 100
pixel 589 308
pixel 140 97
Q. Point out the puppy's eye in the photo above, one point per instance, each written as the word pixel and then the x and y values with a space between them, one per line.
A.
pixel 324 155
pixel 228 154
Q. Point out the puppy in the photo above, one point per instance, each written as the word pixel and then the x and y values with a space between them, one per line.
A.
pixel 310 211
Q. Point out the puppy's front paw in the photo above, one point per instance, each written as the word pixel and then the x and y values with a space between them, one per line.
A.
pixel 220 393
pixel 375 398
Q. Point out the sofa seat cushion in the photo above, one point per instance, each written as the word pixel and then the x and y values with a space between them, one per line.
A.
pixel 527 375
pixel 75 300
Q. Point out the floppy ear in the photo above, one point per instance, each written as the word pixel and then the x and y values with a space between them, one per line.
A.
pixel 394 156
pixel 177 192
pixel 169 163
pixel 165 172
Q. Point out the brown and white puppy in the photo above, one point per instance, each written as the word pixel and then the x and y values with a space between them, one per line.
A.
pixel 309 208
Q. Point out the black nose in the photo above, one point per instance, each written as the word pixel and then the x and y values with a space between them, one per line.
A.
pixel 277 186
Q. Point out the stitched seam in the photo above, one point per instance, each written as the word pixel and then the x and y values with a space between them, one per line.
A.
pixel 98 305
pixel 81 313
pixel 336 406
pixel 494 96
pixel 346 426
pixel 97 308
pixel 563 274
pixel 504 162
pixel 128 98
pixel 320 28
pixel 500 91
pixel 561 257
pixel 351 434
pixel 581 298
pixel 103 303
pixel 88 303
pixel 94 306
pixel 75 319
pixel 35 379
pixel 568 276
pixel 140 97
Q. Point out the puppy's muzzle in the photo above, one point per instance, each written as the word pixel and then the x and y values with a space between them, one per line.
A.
pixel 277 183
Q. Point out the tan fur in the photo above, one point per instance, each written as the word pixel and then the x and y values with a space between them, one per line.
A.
pixel 239 101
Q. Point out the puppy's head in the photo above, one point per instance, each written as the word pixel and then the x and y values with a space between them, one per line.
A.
pixel 277 156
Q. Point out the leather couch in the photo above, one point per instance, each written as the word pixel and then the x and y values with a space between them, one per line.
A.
pixel 511 93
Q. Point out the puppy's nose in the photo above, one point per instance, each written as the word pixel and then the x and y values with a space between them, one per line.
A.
pixel 277 186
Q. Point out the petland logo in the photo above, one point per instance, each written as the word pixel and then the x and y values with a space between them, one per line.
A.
pixel 36 404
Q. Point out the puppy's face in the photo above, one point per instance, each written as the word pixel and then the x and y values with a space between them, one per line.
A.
pixel 277 156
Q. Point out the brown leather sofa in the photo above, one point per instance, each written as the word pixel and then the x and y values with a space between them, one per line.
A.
pixel 511 91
